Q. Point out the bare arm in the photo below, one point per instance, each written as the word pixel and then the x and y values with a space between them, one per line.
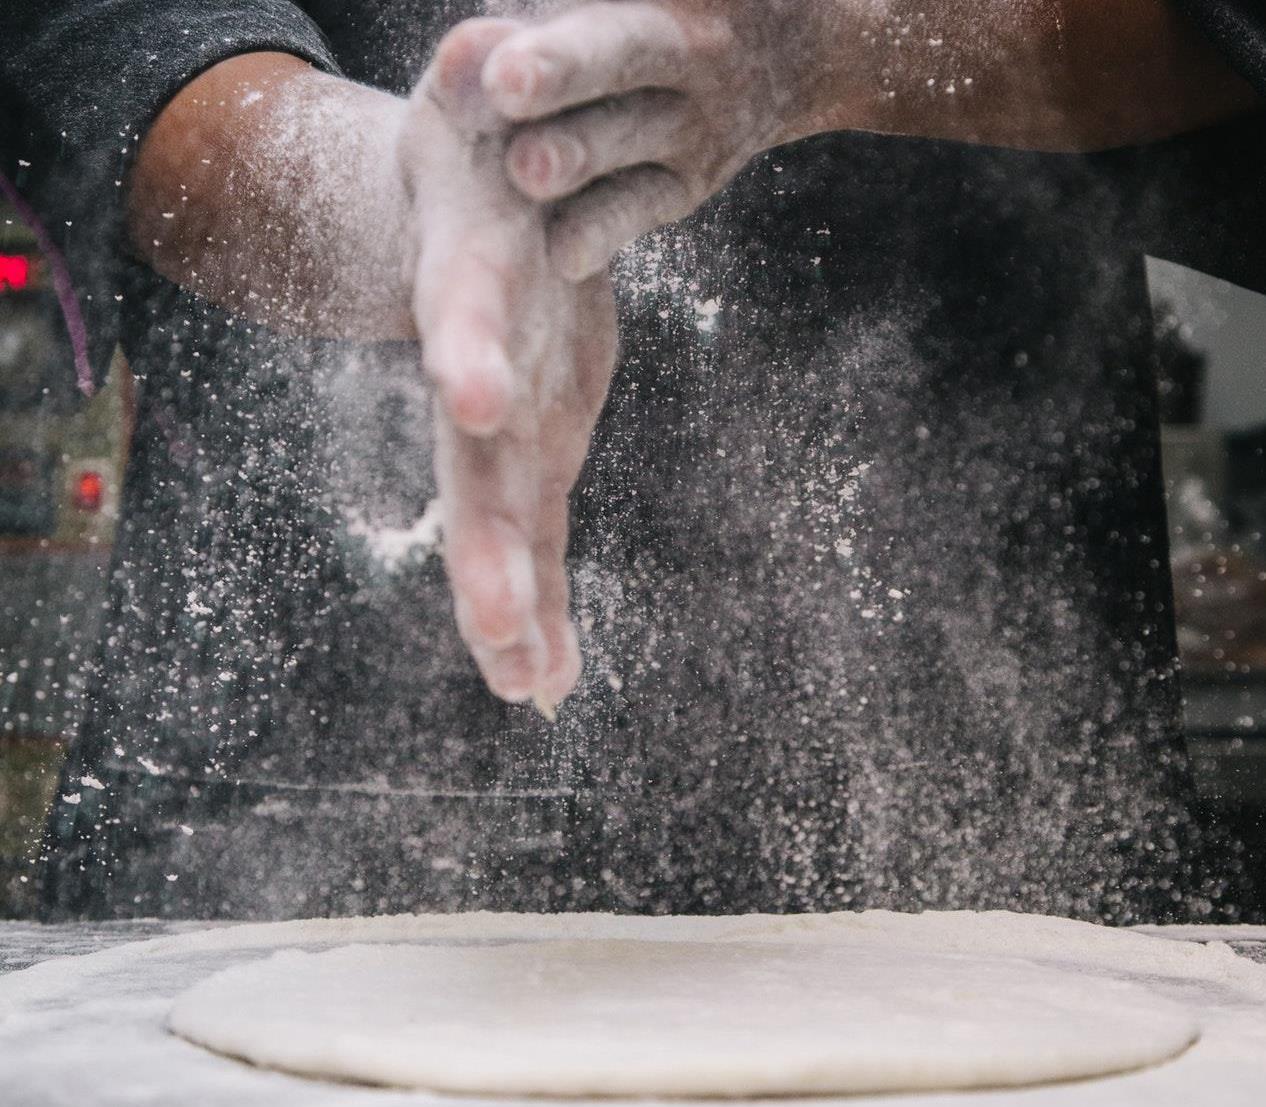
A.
pixel 272 189
pixel 631 113
pixel 1063 75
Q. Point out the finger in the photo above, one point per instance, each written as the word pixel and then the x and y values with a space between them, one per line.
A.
pixel 454 77
pixel 488 490
pixel 463 315
pixel 569 428
pixel 494 587
pixel 550 160
pixel 492 575
pixel 595 346
pixel 592 52
pixel 553 592
pixel 563 662
pixel 588 229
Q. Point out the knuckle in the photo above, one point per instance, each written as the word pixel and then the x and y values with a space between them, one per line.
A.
pixel 477 409
pixel 573 155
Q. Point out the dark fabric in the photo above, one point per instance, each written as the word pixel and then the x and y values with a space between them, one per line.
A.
pixel 870 555
pixel 81 82
pixel 1238 29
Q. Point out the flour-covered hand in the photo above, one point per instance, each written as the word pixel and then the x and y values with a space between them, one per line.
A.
pixel 521 359
pixel 631 113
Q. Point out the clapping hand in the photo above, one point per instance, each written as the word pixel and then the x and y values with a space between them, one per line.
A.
pixel 629 114
pixel 521 359
pixel 562 140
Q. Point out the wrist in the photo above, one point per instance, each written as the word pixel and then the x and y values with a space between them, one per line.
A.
pixel 834 65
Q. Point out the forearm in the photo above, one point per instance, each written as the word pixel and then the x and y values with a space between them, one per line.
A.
pixel 1042 74
pixel 271 189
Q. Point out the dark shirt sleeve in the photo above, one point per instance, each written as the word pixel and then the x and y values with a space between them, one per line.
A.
pixel 1238 29
pixel 80 83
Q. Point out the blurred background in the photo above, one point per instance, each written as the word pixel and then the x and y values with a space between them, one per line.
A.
pixel 62 460
pixel 61 468
pixel 1212 349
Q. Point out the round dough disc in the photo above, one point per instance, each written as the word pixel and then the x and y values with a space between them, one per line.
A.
pixel 614 1017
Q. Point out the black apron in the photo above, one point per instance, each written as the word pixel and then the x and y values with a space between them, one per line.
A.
pixel 870 557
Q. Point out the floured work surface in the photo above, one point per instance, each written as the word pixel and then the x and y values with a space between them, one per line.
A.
pixel 601 1006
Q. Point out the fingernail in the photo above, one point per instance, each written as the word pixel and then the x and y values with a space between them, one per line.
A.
pixel 546 166
pixel 511 678
pixel 539 165
pixel 521 77
pixel 547 709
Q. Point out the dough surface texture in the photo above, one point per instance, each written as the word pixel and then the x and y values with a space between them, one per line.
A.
pixel 591 1006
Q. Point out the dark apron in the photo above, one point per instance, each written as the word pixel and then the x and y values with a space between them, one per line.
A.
pixel 870 554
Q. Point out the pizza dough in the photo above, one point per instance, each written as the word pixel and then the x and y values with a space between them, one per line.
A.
pixel 698 1008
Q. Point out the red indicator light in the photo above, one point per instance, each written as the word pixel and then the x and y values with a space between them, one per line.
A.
pixel 89 491
pixel 15 272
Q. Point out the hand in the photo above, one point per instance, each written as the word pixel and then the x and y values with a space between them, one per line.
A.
pixel 631 114
pixel 522 360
